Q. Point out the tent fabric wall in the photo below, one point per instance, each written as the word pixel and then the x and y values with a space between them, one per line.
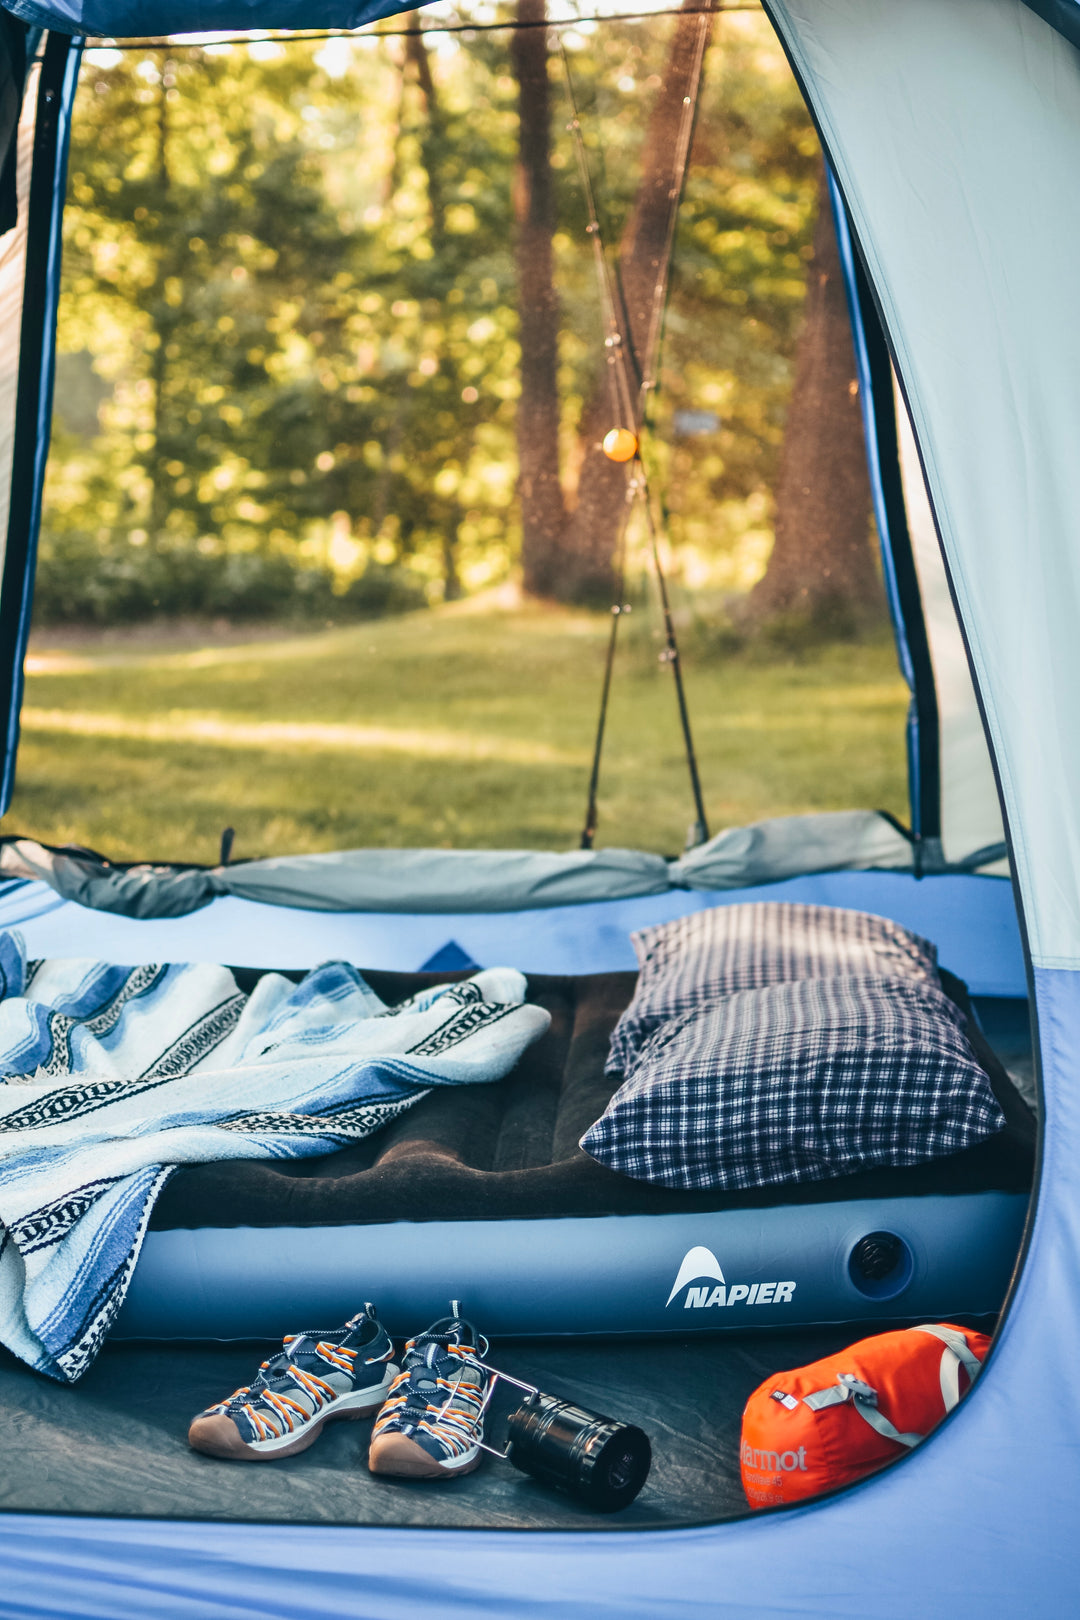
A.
pixel 873 371
pixel 971 919
pixel 958 166
pixel 954 798
pixel 957 147
pixel 433 881
pixel 970 813
pixel 954 128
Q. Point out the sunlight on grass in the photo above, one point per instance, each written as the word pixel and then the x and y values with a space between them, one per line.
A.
pixel 183 726
pixel 446 728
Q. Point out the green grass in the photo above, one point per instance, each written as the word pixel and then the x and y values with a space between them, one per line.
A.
pixel 457 728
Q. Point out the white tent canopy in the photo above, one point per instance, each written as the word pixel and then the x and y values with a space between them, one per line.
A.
pixel 981 318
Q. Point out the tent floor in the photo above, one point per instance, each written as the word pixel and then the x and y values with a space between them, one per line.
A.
pixel 116 1445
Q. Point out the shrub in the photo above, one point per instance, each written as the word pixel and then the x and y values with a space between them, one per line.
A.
pixel 84 580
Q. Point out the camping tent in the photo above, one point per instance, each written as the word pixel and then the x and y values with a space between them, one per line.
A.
pixel 953 128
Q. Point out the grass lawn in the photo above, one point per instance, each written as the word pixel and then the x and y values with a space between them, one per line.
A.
pixel 458 727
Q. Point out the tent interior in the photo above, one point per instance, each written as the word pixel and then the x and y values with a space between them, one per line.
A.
pixel 527 1276
pixel 468 1199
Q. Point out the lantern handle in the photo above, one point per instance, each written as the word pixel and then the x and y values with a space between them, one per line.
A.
pixel 530 1389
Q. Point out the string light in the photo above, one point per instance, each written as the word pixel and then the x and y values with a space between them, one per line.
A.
pixel 620 444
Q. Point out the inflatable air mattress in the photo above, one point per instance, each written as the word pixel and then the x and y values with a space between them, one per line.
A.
pixel 482 1192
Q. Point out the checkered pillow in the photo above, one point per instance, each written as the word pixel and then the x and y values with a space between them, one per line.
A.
pixel 798 1082
pixel 687 963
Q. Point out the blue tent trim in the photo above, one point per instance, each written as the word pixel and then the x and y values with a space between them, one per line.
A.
pixel 127 19
pixel 980 1517
pixel 1064 15
pixel 37 364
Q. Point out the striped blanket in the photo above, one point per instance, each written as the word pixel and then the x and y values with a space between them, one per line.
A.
pixel 110 1077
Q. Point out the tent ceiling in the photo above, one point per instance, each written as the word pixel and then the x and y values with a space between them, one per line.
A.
pixel 131 19
pixel 136 19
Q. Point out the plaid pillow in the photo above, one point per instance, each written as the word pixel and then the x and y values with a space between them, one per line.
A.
pixel 798 1082
pixel 688 963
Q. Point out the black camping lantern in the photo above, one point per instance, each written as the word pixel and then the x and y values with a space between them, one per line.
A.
pixel 596 1459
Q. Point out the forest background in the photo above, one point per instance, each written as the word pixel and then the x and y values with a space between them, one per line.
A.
pixel 294 354
pixel 332 353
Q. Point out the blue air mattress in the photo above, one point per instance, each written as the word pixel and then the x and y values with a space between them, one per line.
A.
pixel 735 1269
pixel 482 1193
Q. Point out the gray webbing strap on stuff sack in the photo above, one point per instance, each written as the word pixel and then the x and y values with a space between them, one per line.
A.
pixel 864 1397
pixel 955 1355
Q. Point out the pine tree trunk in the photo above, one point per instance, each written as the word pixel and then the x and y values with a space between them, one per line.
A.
pixel 822 569
pixel 543 510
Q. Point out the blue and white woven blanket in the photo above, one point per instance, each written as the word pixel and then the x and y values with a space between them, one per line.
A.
pixel 110 1077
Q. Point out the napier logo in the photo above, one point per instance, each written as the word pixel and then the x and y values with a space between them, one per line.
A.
pixel 701 1262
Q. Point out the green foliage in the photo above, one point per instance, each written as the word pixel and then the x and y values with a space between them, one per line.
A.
pixel 288 323
pixel 81 581
pixel 740 274
pixel 278 341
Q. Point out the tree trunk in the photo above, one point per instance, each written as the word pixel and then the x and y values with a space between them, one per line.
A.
pixel 432 147
pixel 160 483
pixel 543 510
pixel 570 554
pixel 594 526
pixel 433 134
pixel 451 577
pixel 822 568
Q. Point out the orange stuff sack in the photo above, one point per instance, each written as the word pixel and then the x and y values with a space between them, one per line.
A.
pixel 845 1416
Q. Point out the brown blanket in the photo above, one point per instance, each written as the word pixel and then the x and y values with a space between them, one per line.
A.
pixel 510 1150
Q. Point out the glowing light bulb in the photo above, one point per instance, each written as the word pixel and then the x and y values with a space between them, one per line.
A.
pixel 620 445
